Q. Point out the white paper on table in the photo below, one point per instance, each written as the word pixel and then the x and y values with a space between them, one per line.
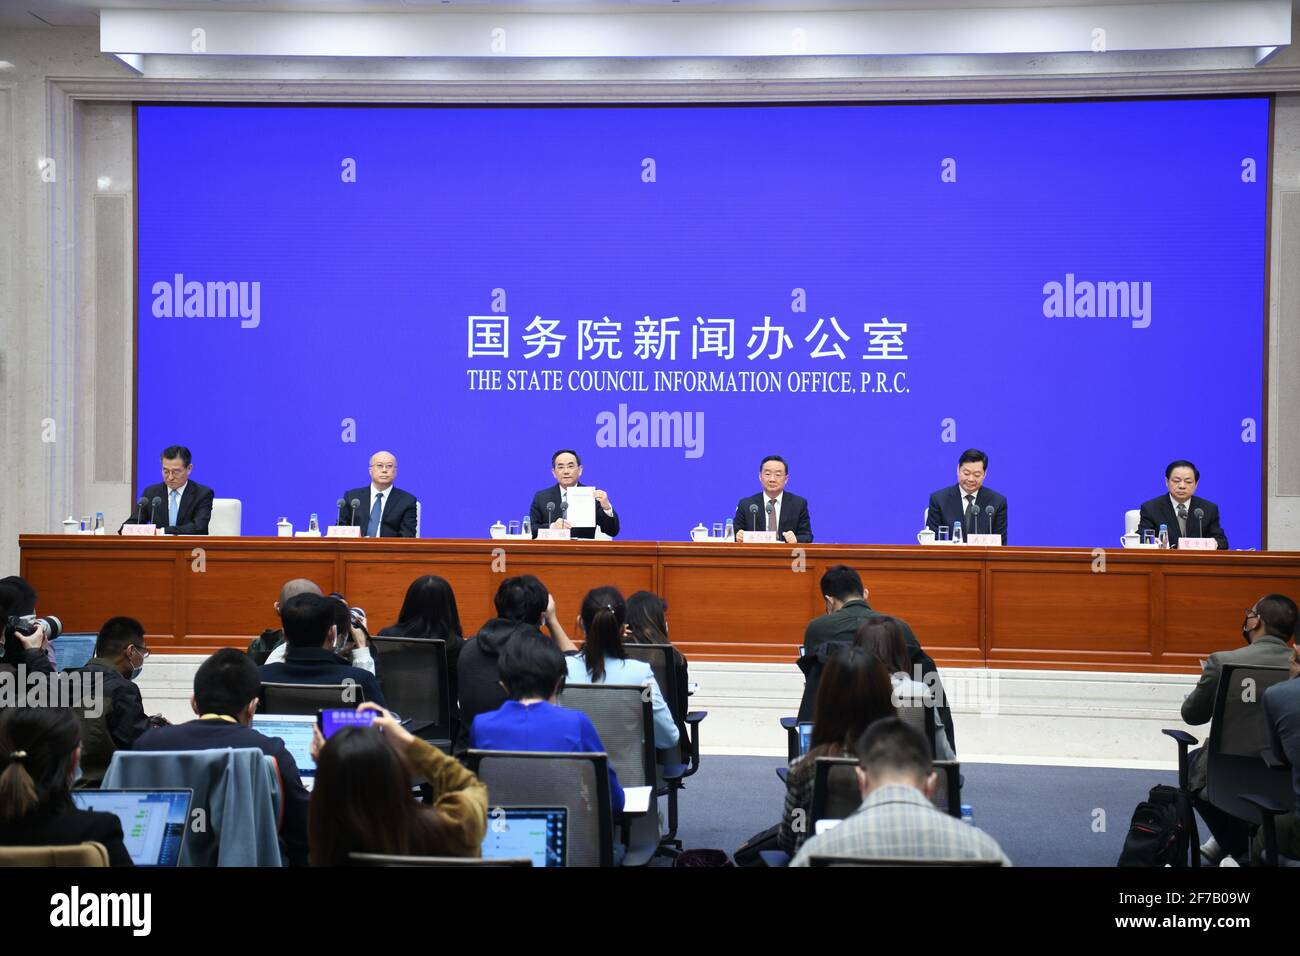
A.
pixel 582 507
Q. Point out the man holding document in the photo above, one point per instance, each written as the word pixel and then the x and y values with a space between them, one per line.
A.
pixel 571 504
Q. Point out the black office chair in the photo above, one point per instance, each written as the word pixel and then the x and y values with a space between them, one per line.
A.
pixel 579 781
pixel 308 698
pixel 682 761
pixel 389 859
pixel 413 674
pixel 624 718
pixel 1234 761
pixel 835 789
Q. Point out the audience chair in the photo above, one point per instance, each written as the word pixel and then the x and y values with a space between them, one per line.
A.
pixel 308 698
pixel 683 760
pixel 413 674
pixel 624 717
pixel 387 859
pixel 237 796
pixel 836 795
pixel 1239 736
pixel 884 861
pixel 78 855
pixel 579 781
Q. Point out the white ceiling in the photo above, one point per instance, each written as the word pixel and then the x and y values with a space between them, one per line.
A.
pixel 85 13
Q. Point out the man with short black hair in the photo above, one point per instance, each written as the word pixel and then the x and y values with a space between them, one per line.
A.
pixel 1177 510
pixel 272 643
pixel 969 501
pixel 566 466
pixel 226 688
pixel 774 508
pixel 1267 628
pixel 897 821
pixel 523 607
pixel 845 598
pixel 312 634
pixel 120 653
pixel 183 506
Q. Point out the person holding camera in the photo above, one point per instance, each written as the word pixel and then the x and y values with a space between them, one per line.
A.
pixel 349 621
pixel 312 656
pixel 27 638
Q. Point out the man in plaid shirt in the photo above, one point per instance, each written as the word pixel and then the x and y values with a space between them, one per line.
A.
pixel 897 819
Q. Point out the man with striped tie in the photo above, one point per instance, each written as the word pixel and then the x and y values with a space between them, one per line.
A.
pixel 178 505
pixel 381 510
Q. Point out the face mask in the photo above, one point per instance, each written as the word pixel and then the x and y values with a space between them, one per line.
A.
pixel 135 672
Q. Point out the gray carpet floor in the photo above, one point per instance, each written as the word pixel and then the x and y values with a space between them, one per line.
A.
pixel 1041 816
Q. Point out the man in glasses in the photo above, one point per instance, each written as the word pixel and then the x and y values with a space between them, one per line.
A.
pixel 1266 629
pixel 119 719
pixel 381 510
pixel 177 505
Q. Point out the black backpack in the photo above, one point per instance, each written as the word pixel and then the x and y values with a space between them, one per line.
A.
pixel 1157 835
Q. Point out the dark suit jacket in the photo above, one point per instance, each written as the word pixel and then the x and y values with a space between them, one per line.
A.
pixel 120 724
pixel 1282 711
pixel 948 506
pixel 219 734
pixel 399 512
pixel 313 665
pixel 68 827
pixel 537 514
pixel 793 517
pixel 826 633
pixel 191 517
pixel 1160 511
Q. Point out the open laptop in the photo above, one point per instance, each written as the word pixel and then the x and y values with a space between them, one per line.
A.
pixel 296 732
pixel 536 833
pixel 153 821
pixel 805 729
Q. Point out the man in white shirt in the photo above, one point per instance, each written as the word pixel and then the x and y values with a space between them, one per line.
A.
pixel 774 508
pixel 360 655
pixel 381 510
pixel 178 505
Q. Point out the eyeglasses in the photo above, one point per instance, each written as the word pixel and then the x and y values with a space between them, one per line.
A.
pixel 1251 612
pixel 142 651
pixel 173 472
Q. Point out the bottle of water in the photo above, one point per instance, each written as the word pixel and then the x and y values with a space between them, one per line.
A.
pixel 967 814
pixel 956 533
pixel 729 529
pixel 99 522
pixel 314 524
pixel 1164 537
pixel 526 527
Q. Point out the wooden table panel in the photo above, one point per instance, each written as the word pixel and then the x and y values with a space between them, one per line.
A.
pixel 1015 607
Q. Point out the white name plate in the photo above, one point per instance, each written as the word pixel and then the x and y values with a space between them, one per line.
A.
pixel 343 531
pixel 1198 544
pixel 985 540
pixel 306 534
pixel 143 530
pixel 761 537
pixel 553 534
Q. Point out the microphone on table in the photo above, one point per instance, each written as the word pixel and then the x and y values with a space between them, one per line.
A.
pixel 1200 520
pixel 355 503
pixel 753 517
pixel 550 513
pixel 339 506
pixel 153 506
pixel 988 513
pixel 139 512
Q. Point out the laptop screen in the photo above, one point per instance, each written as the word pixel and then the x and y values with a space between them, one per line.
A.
pixel 296 732
pixel 153 821
pixel 536 833
pixel 805 738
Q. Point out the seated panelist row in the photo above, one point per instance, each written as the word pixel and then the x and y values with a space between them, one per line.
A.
pixel 380 509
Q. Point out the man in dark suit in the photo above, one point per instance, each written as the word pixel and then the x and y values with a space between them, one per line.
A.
pixel 225 699
pixel 1178 509
pixel 382 511
pixel 567 469
pixel 774 508
pixel 968 501
pixel 1282 713
pixel 184 506
pixel 119 720
pixel 311 635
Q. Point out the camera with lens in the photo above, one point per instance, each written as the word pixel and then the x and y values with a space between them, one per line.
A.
pixel 20 626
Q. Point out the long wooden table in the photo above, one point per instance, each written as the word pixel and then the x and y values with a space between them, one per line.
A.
pixel 1115 610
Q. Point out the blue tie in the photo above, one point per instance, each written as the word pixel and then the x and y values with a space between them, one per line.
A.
pixel 375 513
pixel 173 507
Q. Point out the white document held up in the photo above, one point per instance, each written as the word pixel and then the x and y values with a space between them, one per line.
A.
pixel 582 507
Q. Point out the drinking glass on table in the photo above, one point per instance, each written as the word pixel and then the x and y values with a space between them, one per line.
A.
pixel 943 532
pixel 717 529
pixel 513 529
